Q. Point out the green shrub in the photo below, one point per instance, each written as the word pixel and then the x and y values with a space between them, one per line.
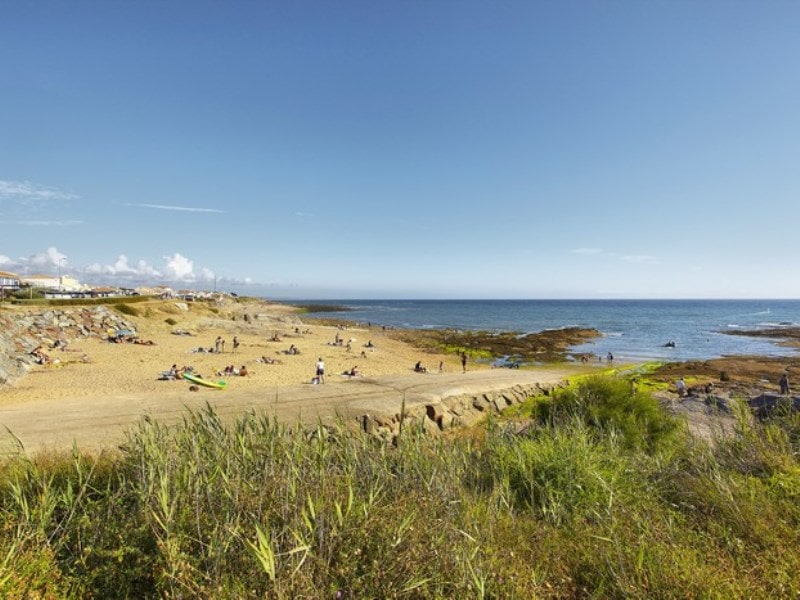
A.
pixel 32 294
pixel 170 321
pixel 558 473
pixel 607 403
pixel 126 309
pixel 81 301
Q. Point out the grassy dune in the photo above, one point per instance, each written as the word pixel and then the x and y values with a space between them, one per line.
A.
pixel 602 495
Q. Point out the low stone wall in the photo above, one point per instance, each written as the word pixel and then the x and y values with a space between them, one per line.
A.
pixel 450 412
pixel 22 332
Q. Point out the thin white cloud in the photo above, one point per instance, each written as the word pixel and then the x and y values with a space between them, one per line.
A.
pixel 180 208
pixel 640 259
pixel 25 191
pixel 67 223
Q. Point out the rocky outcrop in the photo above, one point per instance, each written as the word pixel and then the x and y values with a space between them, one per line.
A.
pixel 21 333
pixel 449 412
pixel 768 404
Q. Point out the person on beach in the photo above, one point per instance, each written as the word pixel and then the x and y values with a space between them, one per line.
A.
pixel 784 383
pixel 321 370
pixel 418 368
pixel 681 385
pixel 217 344
pixel 235 343
pixel 463 362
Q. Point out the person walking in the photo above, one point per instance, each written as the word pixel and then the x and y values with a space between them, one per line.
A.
pixel 681 385
pixel 784 383
pixel 217 344
pixel 235 343
pixel 321 370
pixel 463 362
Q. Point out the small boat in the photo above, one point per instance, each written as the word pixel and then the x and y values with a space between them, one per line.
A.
pixel 220 385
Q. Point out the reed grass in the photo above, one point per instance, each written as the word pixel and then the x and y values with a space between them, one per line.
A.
pixel 255 509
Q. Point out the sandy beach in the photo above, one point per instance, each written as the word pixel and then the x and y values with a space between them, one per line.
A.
pixel 95 401
pixel 125 368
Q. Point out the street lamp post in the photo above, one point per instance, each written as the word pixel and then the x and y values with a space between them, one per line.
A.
pixel 60 282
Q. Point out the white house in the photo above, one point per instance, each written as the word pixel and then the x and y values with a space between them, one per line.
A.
pixel 41 281
pixel 9 282
pixel 65 282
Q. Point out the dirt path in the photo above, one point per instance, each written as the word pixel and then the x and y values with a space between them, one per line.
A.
pixel 99 421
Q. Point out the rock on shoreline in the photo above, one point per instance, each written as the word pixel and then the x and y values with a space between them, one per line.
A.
pixel 21 333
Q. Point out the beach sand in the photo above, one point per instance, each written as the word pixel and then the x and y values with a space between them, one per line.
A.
pixel 93 404
pixel 125 368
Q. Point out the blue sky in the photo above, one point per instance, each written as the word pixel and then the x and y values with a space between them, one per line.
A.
pixel 405 149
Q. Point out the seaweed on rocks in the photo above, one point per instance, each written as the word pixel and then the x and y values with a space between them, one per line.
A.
pixel 549 345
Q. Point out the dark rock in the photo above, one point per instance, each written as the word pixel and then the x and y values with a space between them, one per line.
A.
pixel 768 404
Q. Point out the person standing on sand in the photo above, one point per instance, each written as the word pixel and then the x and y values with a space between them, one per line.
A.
pixel 463 362
pixel 235 343
pixel 217 343
pixel 321 370
pixel 784 383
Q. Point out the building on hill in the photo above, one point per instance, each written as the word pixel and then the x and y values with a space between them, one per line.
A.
pixel 40 281
pixel 9 282
pixel 64 282
pixel 104 292
pixel 162 291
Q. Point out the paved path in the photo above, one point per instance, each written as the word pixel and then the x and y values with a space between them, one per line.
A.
pixel 98 422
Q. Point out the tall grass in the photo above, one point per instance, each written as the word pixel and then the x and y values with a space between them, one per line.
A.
pixel 255 509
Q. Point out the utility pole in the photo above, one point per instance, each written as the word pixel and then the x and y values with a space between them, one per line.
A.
pixel 60 281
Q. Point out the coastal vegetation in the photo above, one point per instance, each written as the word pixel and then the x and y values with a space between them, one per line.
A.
pixel 549 345
pixel 308 309
pixel 592 491
pixel 42 301
pixel 126 309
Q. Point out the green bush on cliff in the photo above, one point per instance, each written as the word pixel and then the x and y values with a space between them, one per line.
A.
pixel 607 403
pixel 126 309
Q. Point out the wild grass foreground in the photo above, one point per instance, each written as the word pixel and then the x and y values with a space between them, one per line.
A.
pixel 603 495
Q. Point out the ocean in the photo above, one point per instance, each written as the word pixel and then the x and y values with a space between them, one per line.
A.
pixel 633 330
